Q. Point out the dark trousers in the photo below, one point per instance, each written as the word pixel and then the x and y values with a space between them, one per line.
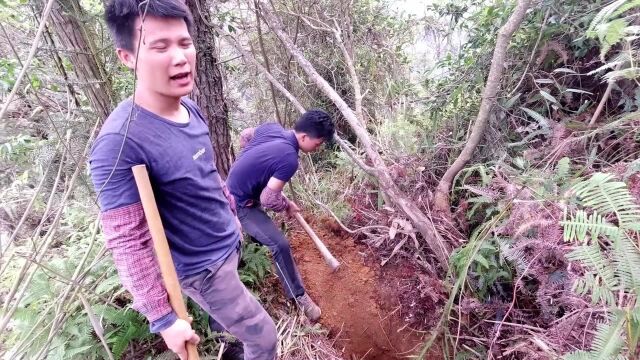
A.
pixel 219 291
pixel 259 225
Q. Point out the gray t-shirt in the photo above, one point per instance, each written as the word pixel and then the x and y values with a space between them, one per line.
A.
pixel 272 152
pixel 198 222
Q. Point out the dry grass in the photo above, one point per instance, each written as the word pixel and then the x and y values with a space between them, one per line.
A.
pixel 299 340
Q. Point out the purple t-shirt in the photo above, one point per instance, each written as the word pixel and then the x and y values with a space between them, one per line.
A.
pixel 272 152
pixel 198 222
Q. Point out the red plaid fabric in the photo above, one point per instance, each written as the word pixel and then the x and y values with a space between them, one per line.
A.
pixel 232 202
pixel 127 236
pixel 273 199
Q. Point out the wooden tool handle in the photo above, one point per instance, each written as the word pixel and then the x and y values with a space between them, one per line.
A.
pixel 161 248
pixel 326 254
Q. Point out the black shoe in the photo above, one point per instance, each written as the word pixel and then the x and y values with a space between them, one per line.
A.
pixel 233 350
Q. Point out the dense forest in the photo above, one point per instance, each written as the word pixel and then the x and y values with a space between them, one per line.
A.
pixel 482 192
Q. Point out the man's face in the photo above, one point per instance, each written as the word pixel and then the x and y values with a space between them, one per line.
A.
pixel 309 144
pixel 167 58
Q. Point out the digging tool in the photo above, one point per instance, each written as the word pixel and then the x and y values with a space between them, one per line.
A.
pixel 326 254
pixel 161 248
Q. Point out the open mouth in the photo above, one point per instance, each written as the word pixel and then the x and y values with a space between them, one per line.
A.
pixel 180 76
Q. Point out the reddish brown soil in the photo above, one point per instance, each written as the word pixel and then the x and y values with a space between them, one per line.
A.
pixel 361 305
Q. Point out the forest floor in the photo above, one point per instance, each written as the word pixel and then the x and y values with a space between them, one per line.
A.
pixel 371 312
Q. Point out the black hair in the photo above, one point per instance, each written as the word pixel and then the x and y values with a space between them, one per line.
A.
pixel 316 123
pixel 121 15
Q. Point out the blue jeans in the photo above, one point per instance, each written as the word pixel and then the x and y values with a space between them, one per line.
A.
pixel 259 226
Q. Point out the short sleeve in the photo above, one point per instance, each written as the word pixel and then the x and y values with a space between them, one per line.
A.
pixel 119 188
pixel 287 167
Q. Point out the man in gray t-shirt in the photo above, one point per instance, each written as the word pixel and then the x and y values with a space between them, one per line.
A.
pixel 161 129
pixel 269 159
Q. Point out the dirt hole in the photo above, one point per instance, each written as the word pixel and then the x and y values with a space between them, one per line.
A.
pixel 361 303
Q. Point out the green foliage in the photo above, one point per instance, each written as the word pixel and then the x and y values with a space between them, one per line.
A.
pixel 8 74
pixel 606 196
pixel 74 336
pixel 563 169
pixel 402 136
pixel 608 27
pixel 487 269
pixel 17 148
pixel 608 341
pixel 577 227
pixel 128 326
pixel 256 264
pixel 611 256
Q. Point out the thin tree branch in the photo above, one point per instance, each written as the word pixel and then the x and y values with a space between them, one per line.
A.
pixel 441 198
pixel 27 63
pixel 13 49
pixel 27 211
pixel 11 304
pixel 96 325
pixel 604 99
pixel 266 63
pixel 249 57
pixel 354 157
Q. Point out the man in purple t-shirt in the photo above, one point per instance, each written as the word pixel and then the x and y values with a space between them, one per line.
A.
pixel 165 131
pixel 269 159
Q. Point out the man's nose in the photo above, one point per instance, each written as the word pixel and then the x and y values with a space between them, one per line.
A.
pixel 178 57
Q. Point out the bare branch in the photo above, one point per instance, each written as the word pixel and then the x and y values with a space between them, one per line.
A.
pixel 266 64
pixel 249 57
pixel 27 63
pixel 354 157
pixel 441 199
pixel 357 90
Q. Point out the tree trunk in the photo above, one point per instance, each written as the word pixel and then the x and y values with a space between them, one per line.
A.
pixel 76 38
pixel 422 223
pixel 441 198
pixel 208 91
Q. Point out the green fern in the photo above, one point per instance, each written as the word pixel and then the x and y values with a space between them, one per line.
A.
pixel 609 27
pixel 563 168
pixel 601 282
pixel 515 256
pixel 256 264
pixel 626 258
pixel 611 258
pixel 608 341
pixel 609 34
pixel 602 193
pixel 576 228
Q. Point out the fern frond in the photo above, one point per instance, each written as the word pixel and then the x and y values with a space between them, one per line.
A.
pixel 605 14
pixel 597 287
pixel 514 255
pixel 609 337
pixel 608 341
pixel 576 228
pixel 592 257
pixel 601 281
pixel 580 355
pixel 562 168
pixel 634 314
pixel 602 193
pixel 630 4
pixel 627 262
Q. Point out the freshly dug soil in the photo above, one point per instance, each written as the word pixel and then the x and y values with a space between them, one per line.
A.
pixel 361 303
